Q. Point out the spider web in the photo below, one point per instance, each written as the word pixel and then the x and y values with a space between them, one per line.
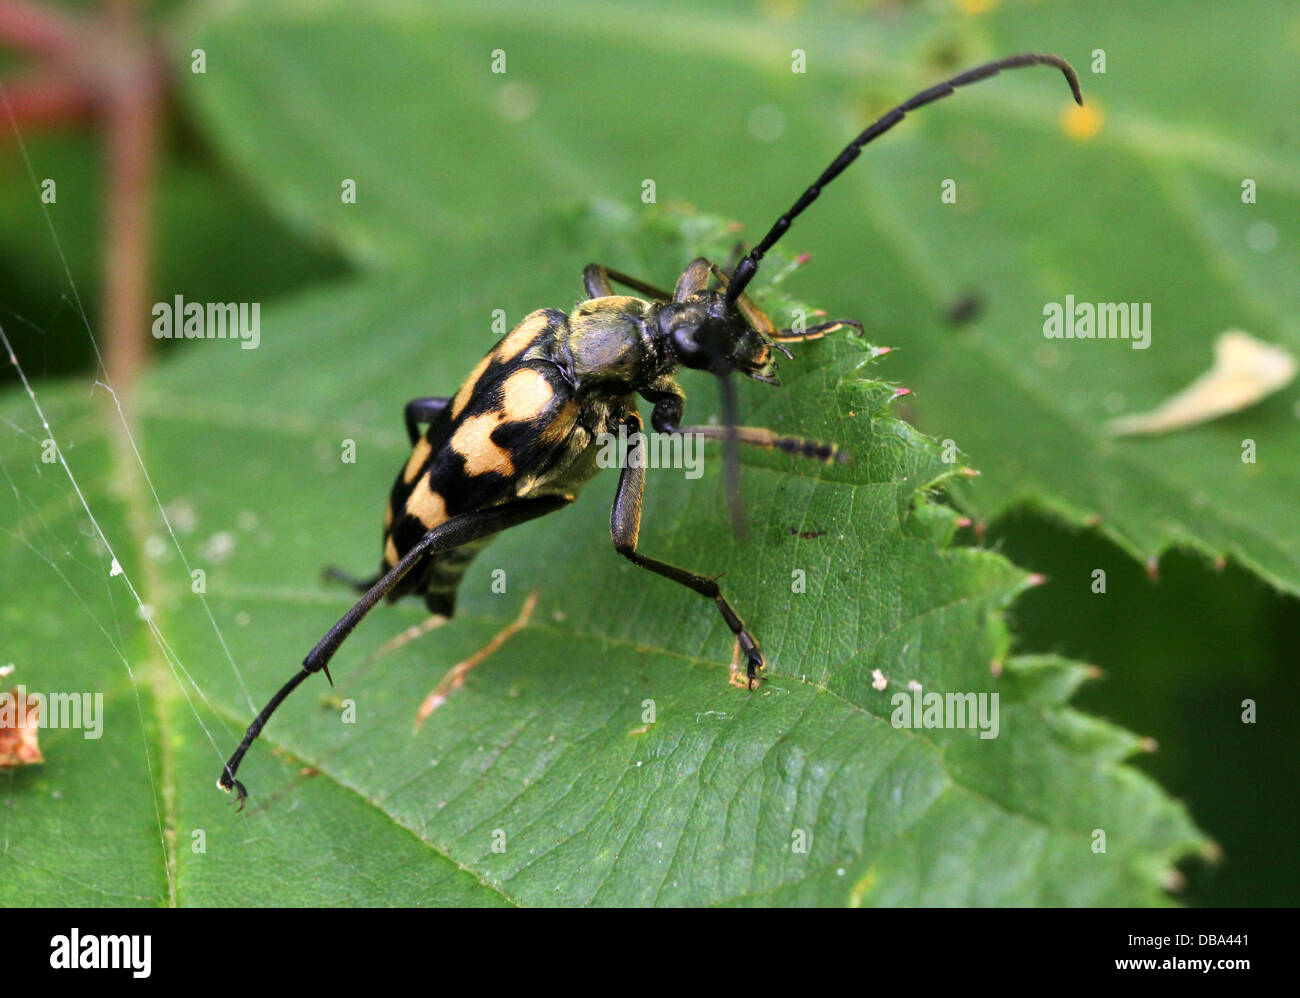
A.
pixel 34 532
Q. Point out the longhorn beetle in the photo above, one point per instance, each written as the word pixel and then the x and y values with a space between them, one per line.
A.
pixel 518 440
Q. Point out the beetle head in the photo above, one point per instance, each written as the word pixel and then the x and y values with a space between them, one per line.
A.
pixel 709 333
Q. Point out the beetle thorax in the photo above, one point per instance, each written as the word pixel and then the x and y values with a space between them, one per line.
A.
pixel 609 342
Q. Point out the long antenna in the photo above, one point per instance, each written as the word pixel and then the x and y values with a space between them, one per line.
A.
pixel 748 267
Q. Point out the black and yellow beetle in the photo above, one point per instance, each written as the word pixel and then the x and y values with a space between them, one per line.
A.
pixel 518 440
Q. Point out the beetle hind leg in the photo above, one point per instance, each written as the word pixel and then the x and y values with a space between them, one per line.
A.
pixel 455 532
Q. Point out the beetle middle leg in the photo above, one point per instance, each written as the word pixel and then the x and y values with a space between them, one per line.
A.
pixel 417 411
pixel 667 417
pixel 422 410
pixel 625 528
pixel 758 436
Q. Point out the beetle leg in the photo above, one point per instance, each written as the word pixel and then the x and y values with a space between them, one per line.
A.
pixel 422 410
pixel 595 281
pixel 625 528
pixel 758 436
pixel 596 278
pixel 455 532
pixel 694 279
pixel 667 415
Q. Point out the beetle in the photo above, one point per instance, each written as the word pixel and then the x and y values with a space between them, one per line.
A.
pixel 518 439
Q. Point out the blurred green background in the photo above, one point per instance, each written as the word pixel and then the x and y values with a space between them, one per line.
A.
pixel 702 100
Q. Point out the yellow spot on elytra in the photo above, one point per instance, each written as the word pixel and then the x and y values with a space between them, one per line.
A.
pixel 524 395
pixel 390 553
pixel 426 505
pixel 1082 122
pixel 388 514
pixel 522 336
pixel 419 454
pixel 473 441
pixel 467 389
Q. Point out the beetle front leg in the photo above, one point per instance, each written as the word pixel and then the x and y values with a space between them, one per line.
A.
pixel 667 417
pixel 758 436
pixel 625 529
pixel 597 278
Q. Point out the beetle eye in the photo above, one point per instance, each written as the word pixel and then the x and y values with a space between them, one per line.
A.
pixel 685 342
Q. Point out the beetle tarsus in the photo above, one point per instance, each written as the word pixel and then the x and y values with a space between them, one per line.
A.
pixel 753 657
pixel 230 785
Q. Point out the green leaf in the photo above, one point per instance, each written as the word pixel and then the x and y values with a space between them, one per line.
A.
pixel 540 781
pixel 402 99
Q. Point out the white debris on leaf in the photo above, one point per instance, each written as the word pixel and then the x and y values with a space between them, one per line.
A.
pixel 115 569
pixel 1245 370
pixel 219 546
pixel 878 680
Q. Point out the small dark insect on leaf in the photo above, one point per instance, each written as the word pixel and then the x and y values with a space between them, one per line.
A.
pixel 807 535
pixel 519 438
pixel 965 309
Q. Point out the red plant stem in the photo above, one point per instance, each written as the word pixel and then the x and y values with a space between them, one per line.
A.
pixel 37 31
pixel 110 67
pixel 132 106
pixel 40 101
